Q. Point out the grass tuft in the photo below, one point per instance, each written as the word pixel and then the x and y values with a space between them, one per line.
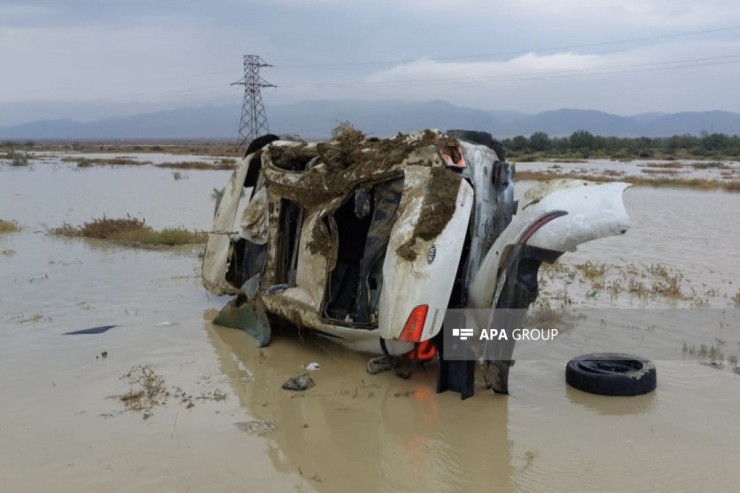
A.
pixel 9 226
pixel 130 231
pixel 225 164
pixel 18 158
pixel 592 270
pixel 83 162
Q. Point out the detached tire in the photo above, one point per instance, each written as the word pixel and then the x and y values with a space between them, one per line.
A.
pixel 611 374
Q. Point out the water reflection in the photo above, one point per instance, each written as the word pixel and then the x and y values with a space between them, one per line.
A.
pixel 359 432
pixel 611 405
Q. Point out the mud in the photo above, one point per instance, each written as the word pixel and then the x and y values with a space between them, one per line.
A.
pixel 440 201
pixel 349 160
pixel 320 243
pixel 341 168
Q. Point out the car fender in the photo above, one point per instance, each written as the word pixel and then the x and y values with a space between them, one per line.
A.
pixel 557 215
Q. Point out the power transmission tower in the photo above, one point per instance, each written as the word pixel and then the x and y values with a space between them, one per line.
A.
pixel 254 119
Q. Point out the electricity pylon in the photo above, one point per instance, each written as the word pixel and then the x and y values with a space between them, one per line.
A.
pixel 254 119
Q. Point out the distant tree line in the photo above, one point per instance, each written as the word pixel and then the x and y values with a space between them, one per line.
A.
pixel 584 144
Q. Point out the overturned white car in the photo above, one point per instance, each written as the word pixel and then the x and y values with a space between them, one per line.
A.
pixel 370 241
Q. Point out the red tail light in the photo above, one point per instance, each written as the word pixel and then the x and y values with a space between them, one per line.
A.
pixel 425 352
pixel 415 324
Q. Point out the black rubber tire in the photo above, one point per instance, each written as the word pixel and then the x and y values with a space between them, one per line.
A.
pixel 611 374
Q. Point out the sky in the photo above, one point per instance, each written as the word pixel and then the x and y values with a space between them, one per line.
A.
pixel 89 59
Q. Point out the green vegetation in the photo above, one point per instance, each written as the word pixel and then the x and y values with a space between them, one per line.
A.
pixel 130 231
pixel 584 145
pixel 8 226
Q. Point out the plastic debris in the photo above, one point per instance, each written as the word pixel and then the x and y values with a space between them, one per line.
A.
pixel 93 330
pixel 313 366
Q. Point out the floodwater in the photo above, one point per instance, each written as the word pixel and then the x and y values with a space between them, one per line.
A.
pixel 63 425
pixel 645 168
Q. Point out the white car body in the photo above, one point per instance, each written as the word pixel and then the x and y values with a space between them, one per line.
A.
pixel 305 234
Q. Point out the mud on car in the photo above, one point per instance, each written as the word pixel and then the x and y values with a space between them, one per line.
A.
pixel 369 242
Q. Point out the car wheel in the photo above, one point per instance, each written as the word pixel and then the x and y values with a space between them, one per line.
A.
pixel 611 374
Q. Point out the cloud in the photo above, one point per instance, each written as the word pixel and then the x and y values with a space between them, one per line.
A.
pixel 514 54
pixel 646 13
pixel 132 62
pixel 665 77
pixel 427 71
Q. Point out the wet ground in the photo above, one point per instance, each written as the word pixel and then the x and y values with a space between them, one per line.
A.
pixel 223 423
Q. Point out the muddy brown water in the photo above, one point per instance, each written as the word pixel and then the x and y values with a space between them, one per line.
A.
pixel 63 426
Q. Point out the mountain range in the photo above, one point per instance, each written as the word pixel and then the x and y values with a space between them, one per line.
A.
pixel 315 119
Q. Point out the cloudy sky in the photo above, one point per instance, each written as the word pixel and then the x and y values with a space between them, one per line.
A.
pixel 87 59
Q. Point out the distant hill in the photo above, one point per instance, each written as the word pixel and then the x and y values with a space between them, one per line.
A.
pixel 315 119
pixel 565 122
pixel 696 123
pixel 381 118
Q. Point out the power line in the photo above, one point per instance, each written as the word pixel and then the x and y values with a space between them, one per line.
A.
pixel 516 52
pixel 629 68
pixel 606 70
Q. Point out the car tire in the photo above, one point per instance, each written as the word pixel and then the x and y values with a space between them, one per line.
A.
pixel 611 374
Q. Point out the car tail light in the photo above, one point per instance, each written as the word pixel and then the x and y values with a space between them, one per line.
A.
pixel 425 352
pixel 415 324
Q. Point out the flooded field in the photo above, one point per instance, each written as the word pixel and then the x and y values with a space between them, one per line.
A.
pixel 655 168
pixel 203 407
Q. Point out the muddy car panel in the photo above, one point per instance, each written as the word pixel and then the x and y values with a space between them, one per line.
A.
pixel 313 217
pixel 356 246
pixel 423 275
pixel 219 247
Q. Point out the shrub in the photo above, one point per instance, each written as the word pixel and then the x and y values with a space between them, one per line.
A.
pixel 18 158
